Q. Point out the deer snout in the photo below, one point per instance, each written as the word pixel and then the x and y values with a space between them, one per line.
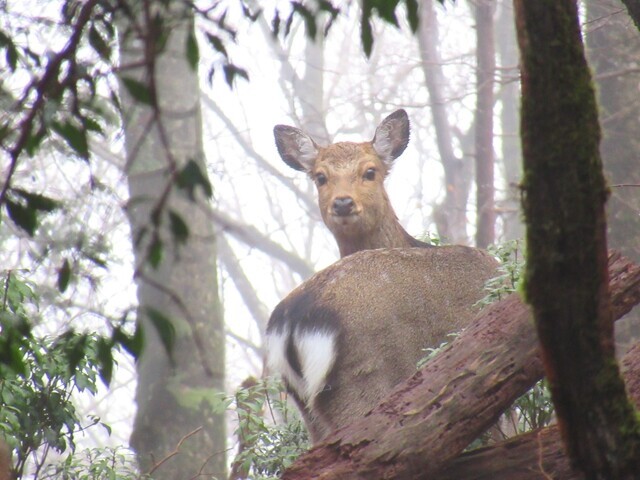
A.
pixel 343 206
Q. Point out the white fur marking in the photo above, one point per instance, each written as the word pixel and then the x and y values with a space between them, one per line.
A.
pixel 276 348
pixel 317 355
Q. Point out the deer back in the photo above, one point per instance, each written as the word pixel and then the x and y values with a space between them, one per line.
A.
pixel 345 337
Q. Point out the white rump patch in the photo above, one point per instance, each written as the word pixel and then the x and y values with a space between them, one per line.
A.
pixel 316 353
pixel 316 350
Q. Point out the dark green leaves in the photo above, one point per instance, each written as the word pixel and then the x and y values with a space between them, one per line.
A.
pixel 165 329
pixel 138 90
pixel 386 10
pixel 179 228
pixel 64 275
pixel 23 207
pixel 231 71
pixel 190 177
pixel 75 137
pixel 193 54
pixel 23 216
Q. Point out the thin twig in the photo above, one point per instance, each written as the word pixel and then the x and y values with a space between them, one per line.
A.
pixel 175 451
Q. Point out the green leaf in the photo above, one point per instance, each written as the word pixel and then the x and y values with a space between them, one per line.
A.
pixel 37 201
pixel 92 125
pixel 412 14
pixel 64 275
pixel 217 44
pixel 308 17
pixel 12 56
pixel 138 90
pixel 75 137
pixel 231 71
pixel 164 327
pixel 23 216
pixel 105 360
pixel 193 54
pixel 131 343
pixel 179 228
pixel 99 44
pixel 155 252
pixel 366 35
pixel 33 142
pixel 190 177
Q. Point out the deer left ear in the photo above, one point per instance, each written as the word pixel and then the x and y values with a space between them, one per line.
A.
pixel 392 136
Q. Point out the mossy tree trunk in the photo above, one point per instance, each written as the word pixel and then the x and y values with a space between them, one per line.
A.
pixel 564 196
pixel 178 433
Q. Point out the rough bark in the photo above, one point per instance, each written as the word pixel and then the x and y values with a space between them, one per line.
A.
pixel 177 433
pixel 429 419
pixel 537 455
pixel 566 275
pixel 486 65
pixel 451 215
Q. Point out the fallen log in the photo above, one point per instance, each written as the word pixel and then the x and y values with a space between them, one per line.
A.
pixel 536 455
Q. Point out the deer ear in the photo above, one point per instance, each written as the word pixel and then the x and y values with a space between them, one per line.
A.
pixel 296 148
pixel 392 136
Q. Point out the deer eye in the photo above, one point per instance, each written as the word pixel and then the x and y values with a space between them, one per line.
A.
pixel 321 179
pixel 370 174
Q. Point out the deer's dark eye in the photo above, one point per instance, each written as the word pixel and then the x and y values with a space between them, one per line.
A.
pixel 321 179
pixel 370 174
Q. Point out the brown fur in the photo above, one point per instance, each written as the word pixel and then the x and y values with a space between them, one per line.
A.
pixel 364 322
pixel 386 307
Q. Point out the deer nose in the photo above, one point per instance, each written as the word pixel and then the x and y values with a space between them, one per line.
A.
pixel 342 206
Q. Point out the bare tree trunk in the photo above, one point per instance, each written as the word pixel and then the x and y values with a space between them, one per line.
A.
pixel 486 65
pixel 566 275
pixel 178 432
pixel 429 419
pixel 451 215
pixel 509 97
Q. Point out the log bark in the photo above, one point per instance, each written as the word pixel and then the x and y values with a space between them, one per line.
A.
pixel 429 419
pixel 536 455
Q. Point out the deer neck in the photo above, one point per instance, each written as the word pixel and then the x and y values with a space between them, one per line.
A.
pixel 390 235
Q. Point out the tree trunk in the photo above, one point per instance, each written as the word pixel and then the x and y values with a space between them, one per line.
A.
pixel 537 455
pixel 566 275
pixel 177 433
pixel 451 215
pixel 486 65
pixel 509 95
pixel 429 419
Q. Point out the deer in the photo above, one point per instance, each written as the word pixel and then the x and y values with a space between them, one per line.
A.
pixel 348 335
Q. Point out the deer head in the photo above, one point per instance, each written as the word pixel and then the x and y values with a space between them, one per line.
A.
pixel 349 178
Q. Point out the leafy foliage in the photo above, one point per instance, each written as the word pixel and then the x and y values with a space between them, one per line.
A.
pixel 508 280
pixel 95 464
pixel 39 375
pixel 268 446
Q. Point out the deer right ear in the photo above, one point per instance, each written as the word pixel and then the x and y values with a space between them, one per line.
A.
pixel 392 136
pixel 296 148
